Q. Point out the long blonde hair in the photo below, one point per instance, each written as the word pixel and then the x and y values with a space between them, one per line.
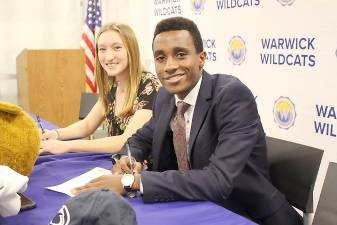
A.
pixel 105 82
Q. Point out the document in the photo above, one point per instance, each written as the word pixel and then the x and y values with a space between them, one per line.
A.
pixel 81 180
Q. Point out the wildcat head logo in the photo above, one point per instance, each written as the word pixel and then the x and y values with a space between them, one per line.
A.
pixel 286 2
pixel 284 112
pixel 62 217
pixel 198 6
pixel 237 50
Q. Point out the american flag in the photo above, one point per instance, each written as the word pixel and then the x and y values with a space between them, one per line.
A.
pixel 91 26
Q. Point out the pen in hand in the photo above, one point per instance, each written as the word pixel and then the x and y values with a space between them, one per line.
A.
pixel 131 193
pixel 129 156
pixel 40 124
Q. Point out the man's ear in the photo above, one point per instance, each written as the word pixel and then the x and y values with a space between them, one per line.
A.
pixel 202 59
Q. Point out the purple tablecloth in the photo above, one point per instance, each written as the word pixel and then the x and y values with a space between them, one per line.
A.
pixel 52 170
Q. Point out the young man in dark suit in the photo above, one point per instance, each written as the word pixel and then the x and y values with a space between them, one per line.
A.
pixel 218 154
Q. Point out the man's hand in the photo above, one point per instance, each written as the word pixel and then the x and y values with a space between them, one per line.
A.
pixel 123 166
pixel 111 182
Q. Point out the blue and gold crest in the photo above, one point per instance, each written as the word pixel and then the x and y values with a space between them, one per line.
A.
pixel 198 6
pixel 237 50
pixel 286 2
pixel 284 112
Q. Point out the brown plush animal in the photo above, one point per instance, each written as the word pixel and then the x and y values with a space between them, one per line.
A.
pixel 19 139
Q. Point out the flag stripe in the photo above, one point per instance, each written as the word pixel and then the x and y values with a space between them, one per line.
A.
pixel 88 54
pixel 90 74
pixel 91 85
pixel 89 44
pixel 90 27
pixel 89 64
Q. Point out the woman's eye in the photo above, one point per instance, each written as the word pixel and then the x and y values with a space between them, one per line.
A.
pixel 117 48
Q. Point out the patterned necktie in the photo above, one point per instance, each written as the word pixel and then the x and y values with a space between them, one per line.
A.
pixel 178 127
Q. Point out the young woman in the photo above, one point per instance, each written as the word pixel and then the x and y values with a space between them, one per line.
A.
pixel 126 95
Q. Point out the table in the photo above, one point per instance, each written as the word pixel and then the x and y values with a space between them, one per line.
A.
pixel 51 170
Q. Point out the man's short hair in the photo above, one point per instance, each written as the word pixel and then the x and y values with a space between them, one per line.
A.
pixel 180 23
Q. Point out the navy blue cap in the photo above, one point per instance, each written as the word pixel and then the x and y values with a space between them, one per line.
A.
pixel 96 207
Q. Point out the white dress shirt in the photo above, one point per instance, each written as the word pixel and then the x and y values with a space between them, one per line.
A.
pixel 190 99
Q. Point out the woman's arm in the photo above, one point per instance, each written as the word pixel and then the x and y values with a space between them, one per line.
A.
pixel 108 144
pixel 80 129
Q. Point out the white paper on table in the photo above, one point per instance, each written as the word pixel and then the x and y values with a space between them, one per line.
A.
pixel 81 180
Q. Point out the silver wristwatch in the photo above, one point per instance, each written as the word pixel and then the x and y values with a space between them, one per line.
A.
pixel 127 181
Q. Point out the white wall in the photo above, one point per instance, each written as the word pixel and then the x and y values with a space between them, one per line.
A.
pixel 34 24
pixel 51 24
pixel 37 24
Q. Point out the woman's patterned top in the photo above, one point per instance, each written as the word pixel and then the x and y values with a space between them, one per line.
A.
pixel 148 88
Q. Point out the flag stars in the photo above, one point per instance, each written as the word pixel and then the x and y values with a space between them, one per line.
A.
pixel 93 14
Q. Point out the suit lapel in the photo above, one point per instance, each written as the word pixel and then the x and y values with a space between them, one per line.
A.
pixel 201 108
pixel 161 129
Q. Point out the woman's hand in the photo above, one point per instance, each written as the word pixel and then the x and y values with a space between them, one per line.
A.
pixel 54 146
pixel 49 134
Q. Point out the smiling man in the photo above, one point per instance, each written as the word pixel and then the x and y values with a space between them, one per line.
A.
pixel 205 138
pixel 178 63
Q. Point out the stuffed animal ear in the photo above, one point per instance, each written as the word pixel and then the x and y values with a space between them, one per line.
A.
pixel 19 139
pixel 9 108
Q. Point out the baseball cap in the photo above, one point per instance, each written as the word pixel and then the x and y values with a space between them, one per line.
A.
pixel 96 207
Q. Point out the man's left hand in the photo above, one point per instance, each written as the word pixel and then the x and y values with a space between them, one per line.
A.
pixel 111 182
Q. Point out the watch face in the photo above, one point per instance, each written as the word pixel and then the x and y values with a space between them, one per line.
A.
pixel 127 180
pixel 132 194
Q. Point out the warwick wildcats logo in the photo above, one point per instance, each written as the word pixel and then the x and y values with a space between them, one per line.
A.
pixel 286 2
pixel 237 50
pixel 198 6
pixel 284 112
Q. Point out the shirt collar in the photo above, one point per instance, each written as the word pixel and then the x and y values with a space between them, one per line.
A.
pixel 191 98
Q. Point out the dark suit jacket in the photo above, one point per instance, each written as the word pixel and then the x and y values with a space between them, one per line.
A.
pixel 227 151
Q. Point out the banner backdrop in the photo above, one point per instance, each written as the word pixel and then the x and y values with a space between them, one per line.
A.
pixel 285 51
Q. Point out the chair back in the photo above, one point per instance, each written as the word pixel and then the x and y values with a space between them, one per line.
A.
pixel 88 100
pixel 293 170
pixel 326 211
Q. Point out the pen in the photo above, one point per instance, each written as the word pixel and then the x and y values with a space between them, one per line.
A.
pixel 40 124
pixel 131 193
pixel 129 156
